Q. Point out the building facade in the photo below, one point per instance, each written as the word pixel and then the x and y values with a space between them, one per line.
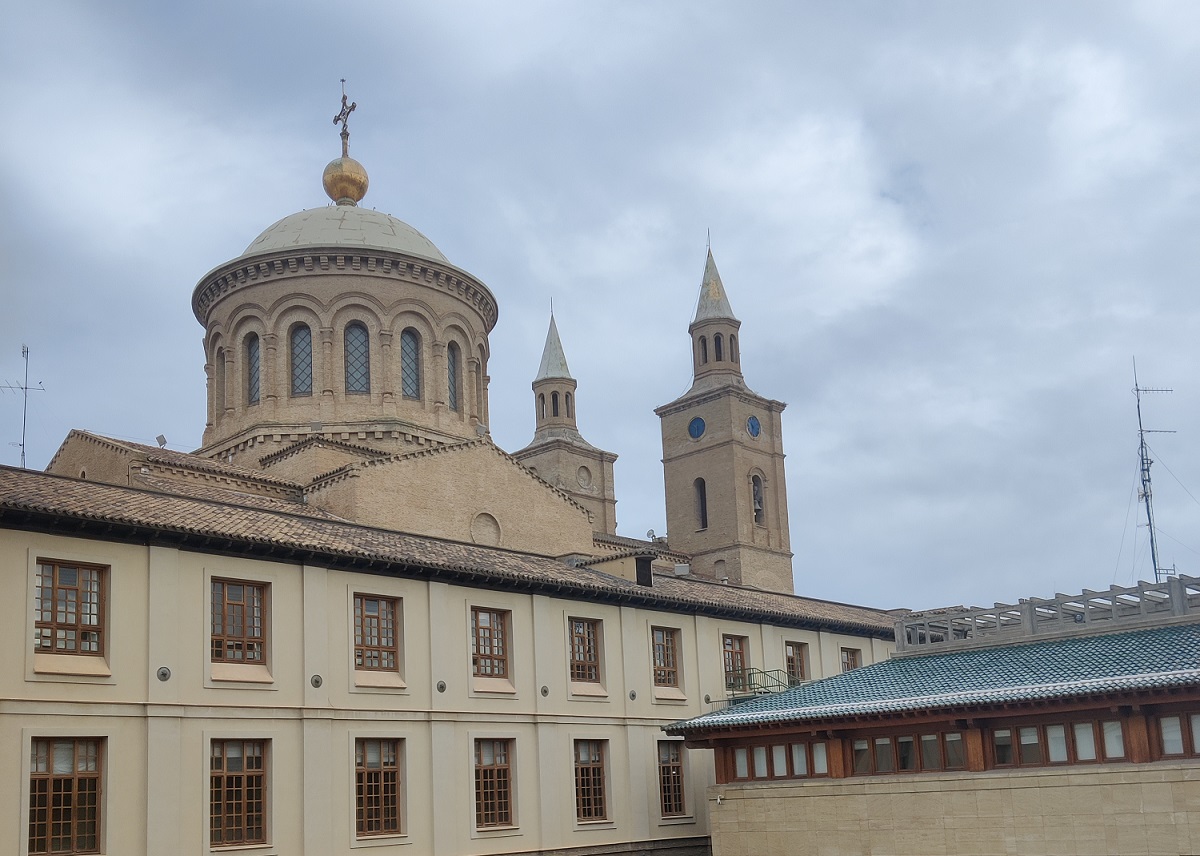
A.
pixel 350 622
pixel 1068 725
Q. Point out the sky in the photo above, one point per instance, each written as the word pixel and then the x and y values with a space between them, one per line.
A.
pixel 948 229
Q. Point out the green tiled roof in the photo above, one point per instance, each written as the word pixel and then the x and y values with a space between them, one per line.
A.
pixel 1055 669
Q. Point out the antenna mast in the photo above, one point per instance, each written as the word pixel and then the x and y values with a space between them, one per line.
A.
pixel 1160 573
pixel 24 389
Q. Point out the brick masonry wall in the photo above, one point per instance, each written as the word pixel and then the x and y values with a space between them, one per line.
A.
pixel 1143 809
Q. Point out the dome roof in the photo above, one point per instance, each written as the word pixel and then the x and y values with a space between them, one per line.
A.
pixel 349 225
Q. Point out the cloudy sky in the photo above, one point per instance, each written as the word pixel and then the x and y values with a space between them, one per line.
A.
pixel 947 228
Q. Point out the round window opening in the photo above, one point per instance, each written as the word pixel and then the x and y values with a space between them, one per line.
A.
pixel 696 428
pixel 584 476
pixel 753 426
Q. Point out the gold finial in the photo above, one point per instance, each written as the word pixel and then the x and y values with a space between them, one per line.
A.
pixel 345 180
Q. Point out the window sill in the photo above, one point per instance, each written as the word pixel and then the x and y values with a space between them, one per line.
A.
pixel 492 686
pixel 81 665
pixel 588 689
pixel 582 825
pixel 669 695
pixel 677 820
pixel 263 849
pixel 379 680
pixel 241 673
pixel 389 839
pixel 496 832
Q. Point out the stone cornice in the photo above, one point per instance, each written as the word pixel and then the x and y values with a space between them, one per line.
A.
pixel 316 261
pixel 743 393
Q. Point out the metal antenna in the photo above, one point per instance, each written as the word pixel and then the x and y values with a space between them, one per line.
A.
pixel 24 390
pixel 1160 573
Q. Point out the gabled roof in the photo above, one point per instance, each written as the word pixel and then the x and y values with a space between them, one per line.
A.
pixel 58 504
pixel 1053 670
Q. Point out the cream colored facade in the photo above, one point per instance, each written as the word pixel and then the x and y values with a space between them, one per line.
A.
pixel 309 703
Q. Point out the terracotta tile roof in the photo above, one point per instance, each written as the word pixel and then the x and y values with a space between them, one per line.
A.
pixel 188 460
pixel 1052 670
pixel 320 442
pixel 32 500
pixel 200 490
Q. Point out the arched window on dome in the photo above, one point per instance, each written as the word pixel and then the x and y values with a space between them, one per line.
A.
pixel 701 493
pixel 570 407
pixel 554 403
pixel 253 369
pixel 703 351
pixel 758 500
pixel 410 363
pixel 219 385
pixel 733 351
pixel 301 352
pixel 717 351
pixel 358 359
pixel 453 360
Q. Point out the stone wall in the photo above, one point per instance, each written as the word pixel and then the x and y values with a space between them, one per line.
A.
pixel 1151 809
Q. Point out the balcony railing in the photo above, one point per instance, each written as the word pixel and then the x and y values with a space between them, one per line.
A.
pixel 745 684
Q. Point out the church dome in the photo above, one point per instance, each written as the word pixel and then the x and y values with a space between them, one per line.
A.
pixel 344 225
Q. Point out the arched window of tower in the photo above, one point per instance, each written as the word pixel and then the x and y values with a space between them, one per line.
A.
pixel 452 362
pixel 758 500
pixel 703 351
pixel 410 363
pixel 253 369
pixel 701 493
pixel 301 353
pixel 554 403
pixel 733 351
pixel 358 359
pixel 219 384
pixel 570 407
pixel 717 354
pixel 542 406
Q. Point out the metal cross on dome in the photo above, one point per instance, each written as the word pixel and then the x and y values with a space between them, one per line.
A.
pixel 343 115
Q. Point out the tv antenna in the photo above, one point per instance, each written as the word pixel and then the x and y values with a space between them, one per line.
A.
pixel 1160 573
pixel 24 389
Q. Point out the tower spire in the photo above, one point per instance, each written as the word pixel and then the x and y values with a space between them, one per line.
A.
pixel 713 302
pixel 554 360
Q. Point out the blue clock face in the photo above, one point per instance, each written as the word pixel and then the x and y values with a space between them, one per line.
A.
pixel 696 428
pixel 753 426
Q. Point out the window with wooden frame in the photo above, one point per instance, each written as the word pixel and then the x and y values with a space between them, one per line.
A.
pixel 1179 734
pixel 585 649
pixel 65 780
pixel 851 659
pixel 735 651
pixel 783 760
pixel 376 633
pixel 237 792
pixel 489 642
pixel 795 662
pixel 670 778
pixel 377 787
pixel 590 803
pixel 665 644
pixel 907 753
pixel 69 608
pixel 239 622
pixel 493 783
pixel 1052 744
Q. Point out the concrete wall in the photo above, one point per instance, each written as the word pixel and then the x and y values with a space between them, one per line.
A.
pixel 1118 809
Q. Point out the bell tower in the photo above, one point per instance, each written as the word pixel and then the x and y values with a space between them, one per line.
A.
pixel 723 459
pixel 558 453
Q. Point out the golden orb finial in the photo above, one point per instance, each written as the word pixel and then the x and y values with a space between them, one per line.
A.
pixel 345 179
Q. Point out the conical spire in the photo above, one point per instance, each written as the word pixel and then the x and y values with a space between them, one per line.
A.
pixel 554 361
pixel 713 303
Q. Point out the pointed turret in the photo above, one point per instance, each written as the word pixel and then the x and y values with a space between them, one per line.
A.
pixel 558 453
pixel 554 361
pixel 715 353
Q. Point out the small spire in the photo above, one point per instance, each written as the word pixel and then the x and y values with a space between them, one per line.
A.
pixel 712 303
pixel 554 361
pixel 343 116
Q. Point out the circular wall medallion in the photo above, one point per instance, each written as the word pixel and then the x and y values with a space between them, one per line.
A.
pixel 633 695
pixel 316 681
pixel 753 426
pixel 485 530
pixel 696 428
pixel 441 686
pixel 545 690
pixel 584 476
pixel 164 674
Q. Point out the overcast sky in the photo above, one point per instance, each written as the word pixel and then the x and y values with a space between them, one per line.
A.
pixel 947 228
